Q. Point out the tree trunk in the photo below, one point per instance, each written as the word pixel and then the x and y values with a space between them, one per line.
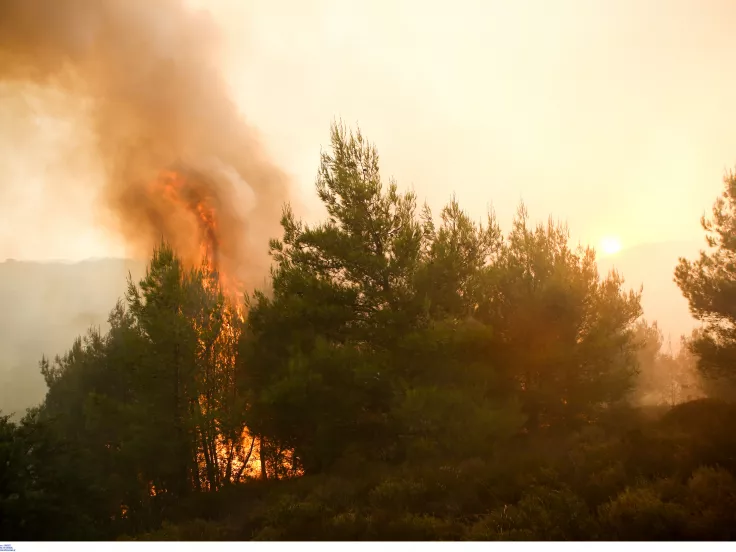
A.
pixel 181 483
pixel 246 460
pixel 264 473
pixel 229 467
pixel 207 460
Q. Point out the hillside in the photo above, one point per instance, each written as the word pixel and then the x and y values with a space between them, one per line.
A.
pixel 45 306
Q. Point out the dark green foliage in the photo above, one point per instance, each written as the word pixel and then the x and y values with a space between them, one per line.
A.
pixel 390 335
pixel 402 379
pixel 129 415
pixel 542 514
pixel 585 486
pixel 709 285
pixel 640 513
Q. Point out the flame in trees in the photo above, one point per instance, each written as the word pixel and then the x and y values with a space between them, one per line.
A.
pixel 188 199
pixel 225 449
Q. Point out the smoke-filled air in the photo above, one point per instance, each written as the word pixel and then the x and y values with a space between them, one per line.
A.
pixel 180 161
pixel 225 317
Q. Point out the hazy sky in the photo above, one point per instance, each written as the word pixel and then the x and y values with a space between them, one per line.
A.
pixel 615 116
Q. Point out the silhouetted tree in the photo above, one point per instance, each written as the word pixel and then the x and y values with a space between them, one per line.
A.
pixel 565 337
pixel 709 285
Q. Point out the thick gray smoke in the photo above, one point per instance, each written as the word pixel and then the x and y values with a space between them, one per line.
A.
pixel 157 105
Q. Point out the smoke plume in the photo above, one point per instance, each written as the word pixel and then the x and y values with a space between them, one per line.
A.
pixel 160 113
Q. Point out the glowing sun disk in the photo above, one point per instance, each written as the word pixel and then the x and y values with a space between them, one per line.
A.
pixel 610 245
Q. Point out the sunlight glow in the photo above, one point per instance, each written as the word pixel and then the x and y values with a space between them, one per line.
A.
pixel 610 245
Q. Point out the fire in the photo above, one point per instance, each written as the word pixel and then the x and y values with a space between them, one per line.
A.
pixel 181 193
pixel 222 455
pixel 188 194
pixel 225 452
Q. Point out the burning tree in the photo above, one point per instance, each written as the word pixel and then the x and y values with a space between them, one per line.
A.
pixel 189 310
pixel 155 402
pixel 190 330
pixel 204 300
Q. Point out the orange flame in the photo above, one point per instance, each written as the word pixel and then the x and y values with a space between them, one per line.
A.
pixel 187 194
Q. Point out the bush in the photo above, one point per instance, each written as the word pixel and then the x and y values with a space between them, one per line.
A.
pixel 712 499
pixel 413 527
pixel 195 530
pixel 640 514
pixel 542 514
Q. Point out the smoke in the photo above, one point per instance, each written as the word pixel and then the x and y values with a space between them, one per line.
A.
pixel 664 378
pixel 157 104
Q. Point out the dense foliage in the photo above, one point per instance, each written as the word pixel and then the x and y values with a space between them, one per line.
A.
pixel 404 377
pixel 709 284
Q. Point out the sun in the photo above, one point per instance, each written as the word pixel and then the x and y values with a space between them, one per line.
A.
pixel 610 245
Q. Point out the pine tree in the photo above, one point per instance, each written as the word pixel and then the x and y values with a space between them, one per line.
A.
pixel 709 285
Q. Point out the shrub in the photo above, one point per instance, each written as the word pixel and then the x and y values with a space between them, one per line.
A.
pixel 542 514
pixel 640 514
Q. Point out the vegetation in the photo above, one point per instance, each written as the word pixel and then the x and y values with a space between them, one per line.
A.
pixel 403 378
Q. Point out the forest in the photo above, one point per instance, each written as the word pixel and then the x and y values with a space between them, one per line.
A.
pixel 404 376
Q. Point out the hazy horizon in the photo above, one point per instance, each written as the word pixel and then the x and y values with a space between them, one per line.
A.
pixel 650 265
